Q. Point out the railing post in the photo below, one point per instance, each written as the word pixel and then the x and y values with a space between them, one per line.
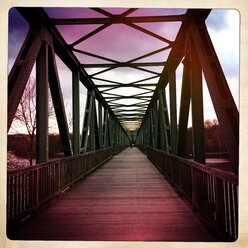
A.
pixel 59 176
pixel 37 188
pixel 194 187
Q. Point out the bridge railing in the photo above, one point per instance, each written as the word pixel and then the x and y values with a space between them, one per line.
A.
pixel 212 192
pixel 30 188
pixel 117 149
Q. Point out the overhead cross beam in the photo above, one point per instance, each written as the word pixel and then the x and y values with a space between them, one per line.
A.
pixel 116 20
pixel 193 31
pixel 36 17
pixel 117 62
pixel 124 64
pixel 104 26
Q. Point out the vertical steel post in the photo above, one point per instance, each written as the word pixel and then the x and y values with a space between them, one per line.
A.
pixel 162 123
pixel 167 122
pixel 105 129
pixel 100 124
pixel 93 131
pixel 76 112
pixel 96 127
pixel 86 123
pixel 197 108
pixel 184 108
pixel 173 110
pixel 152 125
pixel 155 115
pixel 148 133
pixel 42 104
pixel 149 140
pixel 110 129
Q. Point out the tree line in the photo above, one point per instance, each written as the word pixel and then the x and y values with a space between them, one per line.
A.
pixel 24 145
pixel 19 144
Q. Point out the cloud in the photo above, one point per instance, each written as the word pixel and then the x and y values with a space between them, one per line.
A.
pixel 18 29
pixel 120 42
pixel 72 13
pixel 217 19
pixel 225 38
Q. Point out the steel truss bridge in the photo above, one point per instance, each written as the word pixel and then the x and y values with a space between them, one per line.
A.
pixel 106 134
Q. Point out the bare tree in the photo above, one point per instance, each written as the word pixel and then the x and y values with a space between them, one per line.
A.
pixel 25 116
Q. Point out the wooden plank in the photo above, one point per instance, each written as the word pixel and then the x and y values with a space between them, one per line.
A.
pixel 127 199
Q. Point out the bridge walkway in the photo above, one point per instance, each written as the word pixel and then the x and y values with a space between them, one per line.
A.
pixel 127 199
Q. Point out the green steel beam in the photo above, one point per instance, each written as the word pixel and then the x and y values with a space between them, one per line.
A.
pixel 42 104
pixel 126 85
pixel 94 131
pixel 87 122
pixel 106 129
pixel 100 124
pixel 197 108
pixel 153 128
pixel 223 102
pixel 173 110
pixel 38 18
pixel 115 20
pixel 76 112
pixel 21 71
pixel 184 108
pixel 58 104
pixel 162 137
pixel 123 64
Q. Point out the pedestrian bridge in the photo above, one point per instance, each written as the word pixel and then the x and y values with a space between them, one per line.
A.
pixel 125 199
pixel 104 188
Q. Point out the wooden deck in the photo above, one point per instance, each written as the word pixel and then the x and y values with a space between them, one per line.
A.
pixel 127 199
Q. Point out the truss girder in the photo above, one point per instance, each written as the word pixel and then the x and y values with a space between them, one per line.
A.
pixel 163 142
pixel 37 17
pixel 221 96
pixel 38 47
pixel 197 108
pixel 42 78
pixel 194 45
pixel 159 127
pixel 58 103
pixel 89 138
pixel 106 138
pixel 184 108
pixel 76 112
pixel 21 71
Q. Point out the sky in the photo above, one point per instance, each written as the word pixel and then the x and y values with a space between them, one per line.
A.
pixel 122 43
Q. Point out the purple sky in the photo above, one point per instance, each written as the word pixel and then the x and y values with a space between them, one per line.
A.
pixel 122 43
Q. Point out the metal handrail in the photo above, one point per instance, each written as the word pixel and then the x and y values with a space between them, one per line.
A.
pixel 30 188
pixel 212 192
